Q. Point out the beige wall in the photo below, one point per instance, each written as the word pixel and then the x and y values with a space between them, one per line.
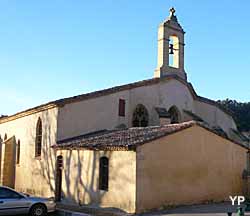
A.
pixel 91 115
pixel 32 175
pixel 102 112
pixel 214 116
pixel 80 178
pixel 190 166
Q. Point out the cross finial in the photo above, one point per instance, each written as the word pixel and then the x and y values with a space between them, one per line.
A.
pixel 172 15
pixel 172 11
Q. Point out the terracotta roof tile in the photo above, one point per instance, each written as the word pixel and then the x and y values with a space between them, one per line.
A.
pixel 128 139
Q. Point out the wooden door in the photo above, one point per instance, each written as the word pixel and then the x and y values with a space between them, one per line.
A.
pixel 59 166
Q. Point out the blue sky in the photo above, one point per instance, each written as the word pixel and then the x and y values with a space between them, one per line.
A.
pixel 60 48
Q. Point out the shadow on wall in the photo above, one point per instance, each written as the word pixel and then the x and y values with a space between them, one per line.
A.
pixel 43 170
pixel 80 171
pixel 40 176
pixel 47 163
pixel 80 177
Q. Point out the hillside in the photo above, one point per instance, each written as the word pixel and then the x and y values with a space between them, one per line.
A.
pixel 240 111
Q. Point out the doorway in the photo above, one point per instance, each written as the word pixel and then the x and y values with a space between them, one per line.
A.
pixel 58 186
pixel 8 157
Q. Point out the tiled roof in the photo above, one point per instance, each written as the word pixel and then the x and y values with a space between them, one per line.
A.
pixel 194 116
pixel 62 102
pixel 128 139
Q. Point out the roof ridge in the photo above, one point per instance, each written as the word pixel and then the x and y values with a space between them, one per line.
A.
pixel 107 91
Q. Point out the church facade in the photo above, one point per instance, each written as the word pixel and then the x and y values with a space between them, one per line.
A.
pixel 135 147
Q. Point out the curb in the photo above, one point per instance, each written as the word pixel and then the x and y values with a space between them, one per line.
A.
pixel 63 212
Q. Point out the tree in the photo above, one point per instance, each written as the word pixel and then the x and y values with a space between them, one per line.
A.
pixel 240 112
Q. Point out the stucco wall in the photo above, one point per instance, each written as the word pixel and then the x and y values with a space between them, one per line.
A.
pixel 35 176
pixel 214 116
pixel 80 178
pixel 190 166
pixel 91 115
pixel 102 112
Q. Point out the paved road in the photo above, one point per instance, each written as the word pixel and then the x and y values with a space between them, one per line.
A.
pixel 198 210
pixel 195 210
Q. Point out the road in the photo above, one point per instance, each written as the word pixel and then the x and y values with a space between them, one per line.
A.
pixel 221 209
pixel 198 210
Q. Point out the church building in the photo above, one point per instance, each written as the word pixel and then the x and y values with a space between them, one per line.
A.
pixel 135 147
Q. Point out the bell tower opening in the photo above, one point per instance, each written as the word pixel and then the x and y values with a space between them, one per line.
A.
pixel 173 54
pixel 171 48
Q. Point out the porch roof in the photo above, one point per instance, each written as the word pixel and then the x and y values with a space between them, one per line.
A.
pixel 129 139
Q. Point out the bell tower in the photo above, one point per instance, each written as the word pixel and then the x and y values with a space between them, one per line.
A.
pixel 170 48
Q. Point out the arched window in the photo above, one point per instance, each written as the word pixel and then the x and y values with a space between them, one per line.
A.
pixel 104 174
pixel 174 114
pixel 174 51
pixel 18 152
pixel 39 134
pixel 140 116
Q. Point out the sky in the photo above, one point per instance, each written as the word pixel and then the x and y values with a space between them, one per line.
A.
pixel 61 48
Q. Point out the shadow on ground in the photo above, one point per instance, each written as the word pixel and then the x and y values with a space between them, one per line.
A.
pixel 206 210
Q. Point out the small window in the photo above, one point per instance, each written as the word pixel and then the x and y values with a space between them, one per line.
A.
pixel 5 137
pixel 121 107
pixel 104 173
pixel 18 152
pixel 39 134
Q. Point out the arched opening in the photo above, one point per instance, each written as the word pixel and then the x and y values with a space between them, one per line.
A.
pixel 104 173
pixel 173 51
pixel 174 114
pixel 140 116
pixel 39 134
